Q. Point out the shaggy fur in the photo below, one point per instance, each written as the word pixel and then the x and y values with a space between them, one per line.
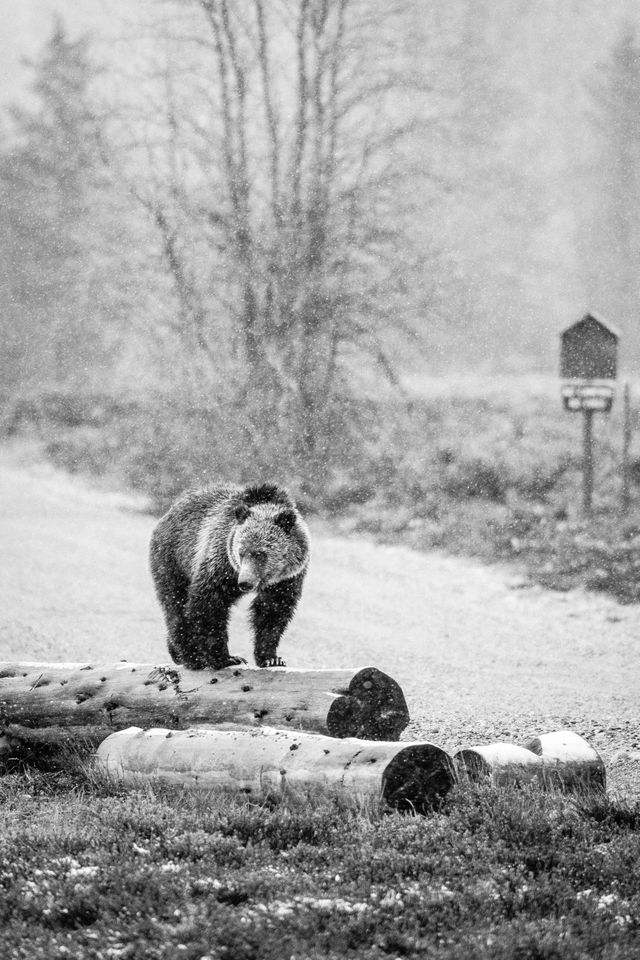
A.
pixel 212 546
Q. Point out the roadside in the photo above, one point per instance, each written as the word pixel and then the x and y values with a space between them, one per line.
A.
pixel 479 655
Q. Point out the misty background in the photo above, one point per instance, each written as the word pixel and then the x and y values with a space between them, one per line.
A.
pixel 506 137
pixel 251 239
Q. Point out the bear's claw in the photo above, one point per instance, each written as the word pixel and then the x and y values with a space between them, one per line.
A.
pixel 235 661
pixel 274 662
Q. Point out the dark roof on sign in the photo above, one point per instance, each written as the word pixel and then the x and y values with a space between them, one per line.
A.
pixel 609 327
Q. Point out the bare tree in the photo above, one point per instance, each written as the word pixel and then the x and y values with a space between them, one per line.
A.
pixel 275 184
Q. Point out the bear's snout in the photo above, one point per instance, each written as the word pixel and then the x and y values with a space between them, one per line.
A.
pixel 248 578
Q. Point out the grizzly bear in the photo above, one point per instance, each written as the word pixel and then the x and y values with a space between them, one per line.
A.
pixel 212 546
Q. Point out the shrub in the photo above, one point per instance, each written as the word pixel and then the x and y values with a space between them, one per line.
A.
pixel 465 479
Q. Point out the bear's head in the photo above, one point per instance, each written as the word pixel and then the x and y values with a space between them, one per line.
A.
pixel 269 543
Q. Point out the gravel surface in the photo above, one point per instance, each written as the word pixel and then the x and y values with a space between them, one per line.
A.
pixel 480 655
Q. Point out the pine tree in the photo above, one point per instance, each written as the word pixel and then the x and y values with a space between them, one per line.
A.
pixel 49 172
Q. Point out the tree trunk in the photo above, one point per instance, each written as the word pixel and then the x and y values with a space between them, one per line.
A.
pixel 48 706
pixel 561 760
pixel 410 776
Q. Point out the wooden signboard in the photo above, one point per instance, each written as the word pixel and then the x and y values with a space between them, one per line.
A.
pixel 587 395
pixel 589 350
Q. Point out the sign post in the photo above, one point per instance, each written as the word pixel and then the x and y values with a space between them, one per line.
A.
pixel 626 447
pixel 588 367
pixel 587 461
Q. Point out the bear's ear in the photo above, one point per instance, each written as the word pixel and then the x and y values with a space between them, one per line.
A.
pixel 286 520
pixel 242 512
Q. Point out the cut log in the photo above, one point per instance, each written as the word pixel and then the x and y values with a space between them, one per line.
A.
pixel 499 763
pixel 561 760
pixel 408 776
pixel 48 706
pixel 569 761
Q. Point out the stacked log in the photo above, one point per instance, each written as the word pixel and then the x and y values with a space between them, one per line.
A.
pixel 260 729
pixel 413 776
pixel 45 708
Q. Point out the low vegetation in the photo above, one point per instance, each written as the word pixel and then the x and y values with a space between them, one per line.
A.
pixel 103 871
pixel 496 477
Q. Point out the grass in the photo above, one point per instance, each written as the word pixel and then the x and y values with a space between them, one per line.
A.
pixel 496 476
pixel 96 870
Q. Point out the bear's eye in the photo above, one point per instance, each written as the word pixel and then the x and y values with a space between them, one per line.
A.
pixel 258 556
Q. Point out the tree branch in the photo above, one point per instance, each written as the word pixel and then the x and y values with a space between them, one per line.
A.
pixel 301 116
pixel 270 114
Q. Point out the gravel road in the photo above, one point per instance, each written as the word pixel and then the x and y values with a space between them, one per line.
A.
pixel 480 655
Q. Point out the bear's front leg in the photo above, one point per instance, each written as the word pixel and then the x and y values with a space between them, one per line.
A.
pixel 271 611
pixel 176 626
pixel 207 641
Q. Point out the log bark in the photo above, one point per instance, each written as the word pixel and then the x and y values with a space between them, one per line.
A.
pixel 561 760
pixel 46 707
pixel 406 775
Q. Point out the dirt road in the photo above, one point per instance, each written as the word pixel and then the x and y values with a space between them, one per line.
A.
pixel 479 655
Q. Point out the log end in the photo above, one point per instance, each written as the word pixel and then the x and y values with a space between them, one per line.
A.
pixel 372 708
pixel 418 778
pixel 472 765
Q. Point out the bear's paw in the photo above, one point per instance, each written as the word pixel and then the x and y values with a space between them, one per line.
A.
pixel 273 662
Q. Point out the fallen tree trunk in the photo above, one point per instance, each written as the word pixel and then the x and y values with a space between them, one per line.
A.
pixel 561 760
pixel 49 707
pixel 406 775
